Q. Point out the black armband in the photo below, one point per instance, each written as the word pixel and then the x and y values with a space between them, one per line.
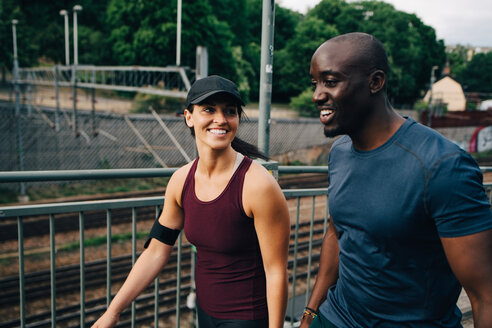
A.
pixel 162 234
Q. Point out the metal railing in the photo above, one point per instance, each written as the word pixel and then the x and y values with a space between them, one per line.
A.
pixel 166 81
pixel 81 209
pixel 300 282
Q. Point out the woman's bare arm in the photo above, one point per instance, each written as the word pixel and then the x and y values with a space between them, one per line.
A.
pixel 265 202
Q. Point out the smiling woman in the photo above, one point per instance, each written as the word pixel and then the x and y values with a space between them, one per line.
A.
pixel 233 211
pixel 204 94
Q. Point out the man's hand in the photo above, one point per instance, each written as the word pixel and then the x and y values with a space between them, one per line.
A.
pixel 306 321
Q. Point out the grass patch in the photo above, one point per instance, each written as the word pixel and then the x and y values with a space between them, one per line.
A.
pixel 97 241
pixel 6 262
pixel 7 196
pixel 93 187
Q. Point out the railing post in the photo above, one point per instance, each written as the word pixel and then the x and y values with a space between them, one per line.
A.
pixel 134 259
pixel 178 282
pixel 22 295
pixel 294 268
pixel 82 269
pixel 310 252
pixel 108 256
pixel 156 285
pixel 53 270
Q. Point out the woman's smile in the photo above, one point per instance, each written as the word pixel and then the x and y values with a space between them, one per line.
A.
pixel 218 132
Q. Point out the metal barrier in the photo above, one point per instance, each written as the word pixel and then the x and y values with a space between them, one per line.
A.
pixel 302 221
pixel 296 277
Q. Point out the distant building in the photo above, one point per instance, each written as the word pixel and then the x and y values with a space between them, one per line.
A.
pixel 470 50
pixel 447 91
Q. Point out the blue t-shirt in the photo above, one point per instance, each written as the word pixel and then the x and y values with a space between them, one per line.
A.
pixel 390 205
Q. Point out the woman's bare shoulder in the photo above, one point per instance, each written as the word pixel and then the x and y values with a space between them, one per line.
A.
pixel 259 180
pixel 175 184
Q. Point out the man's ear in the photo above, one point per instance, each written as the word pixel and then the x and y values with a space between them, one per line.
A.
pixel 188 118
pixel 377 80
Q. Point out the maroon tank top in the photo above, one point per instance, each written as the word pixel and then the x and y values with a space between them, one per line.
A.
pixel 230 279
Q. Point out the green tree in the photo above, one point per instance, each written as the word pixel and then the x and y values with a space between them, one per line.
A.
pixel 477 75
pixel 6 9
pixel 144 33
pixel 26 49
pixel 411 45
pixel 50 43
pixel 457 59
pixel 232 13
pixel 291 64
pixel 135 32
pixel 286 22
pixel 303 104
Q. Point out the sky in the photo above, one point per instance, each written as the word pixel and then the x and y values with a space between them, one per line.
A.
pixel 465 22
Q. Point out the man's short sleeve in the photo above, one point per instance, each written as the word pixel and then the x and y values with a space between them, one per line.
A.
pixel 456 198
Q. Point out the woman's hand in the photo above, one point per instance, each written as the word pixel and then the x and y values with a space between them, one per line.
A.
pixel 107 320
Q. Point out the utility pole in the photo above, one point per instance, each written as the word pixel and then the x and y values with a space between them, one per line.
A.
pixel 266 75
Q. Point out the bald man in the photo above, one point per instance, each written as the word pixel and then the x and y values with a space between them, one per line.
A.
pixel 411 223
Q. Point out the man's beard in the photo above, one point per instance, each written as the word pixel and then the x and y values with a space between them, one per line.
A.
pixel 333 132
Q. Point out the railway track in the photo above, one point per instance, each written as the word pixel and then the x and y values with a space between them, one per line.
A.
pixel 37 285
pixel 38 226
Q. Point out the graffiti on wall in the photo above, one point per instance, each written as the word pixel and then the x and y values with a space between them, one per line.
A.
pixel 481 139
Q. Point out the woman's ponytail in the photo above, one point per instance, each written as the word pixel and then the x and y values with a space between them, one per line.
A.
pixel 247 149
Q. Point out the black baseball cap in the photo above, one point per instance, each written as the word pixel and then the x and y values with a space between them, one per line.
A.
pixel 210 85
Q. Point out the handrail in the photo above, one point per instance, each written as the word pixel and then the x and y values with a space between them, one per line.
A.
pixel 31 176
pixel 82 206
pixel 63 175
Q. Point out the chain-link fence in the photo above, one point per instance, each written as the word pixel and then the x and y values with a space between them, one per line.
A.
pixel 123 141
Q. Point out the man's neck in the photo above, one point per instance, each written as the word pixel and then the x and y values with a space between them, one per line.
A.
pixel 378 129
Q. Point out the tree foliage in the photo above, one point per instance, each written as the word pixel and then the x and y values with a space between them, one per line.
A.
pixel 477 75
pixel 411 45
pixel 457 60
pixel 291 64
pixel 137 32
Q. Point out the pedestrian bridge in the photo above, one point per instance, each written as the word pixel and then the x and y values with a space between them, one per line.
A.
pixel 67 274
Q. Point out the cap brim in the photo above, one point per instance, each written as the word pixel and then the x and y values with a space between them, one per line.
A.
pixel 208 94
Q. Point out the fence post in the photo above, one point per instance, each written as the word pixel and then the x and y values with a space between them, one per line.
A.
pixel 74 96
pixel 57 100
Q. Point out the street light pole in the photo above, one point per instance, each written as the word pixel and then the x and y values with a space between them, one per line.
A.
pixel 16 68
pixel 76 9
pixel 64 13
pixel 178 35
pixel 430 108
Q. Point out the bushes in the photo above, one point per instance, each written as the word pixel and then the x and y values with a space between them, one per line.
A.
pixel 160 104
pixel 304 105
